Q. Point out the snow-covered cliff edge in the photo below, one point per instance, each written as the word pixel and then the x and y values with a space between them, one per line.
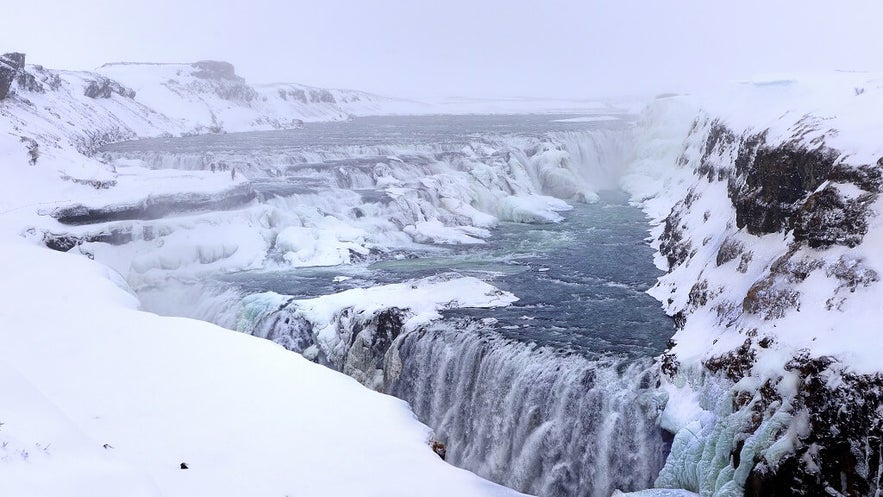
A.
pixel 768 226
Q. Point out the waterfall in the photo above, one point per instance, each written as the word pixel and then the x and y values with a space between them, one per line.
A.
pixel 531 418
pixel 543 421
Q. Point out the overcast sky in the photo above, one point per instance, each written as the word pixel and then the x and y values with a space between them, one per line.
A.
pixel 550 48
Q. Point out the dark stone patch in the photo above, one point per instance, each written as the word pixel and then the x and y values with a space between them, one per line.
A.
pixel 294 94
pixel 215 69
pixel 770 300
pixel 827 218
pixel 727 313
pixel 669 364
pixel 672 243
pixel 11 64
pixel 841 453
pixel 321 96
pixel 744 261
pixel 868 178
pixel 729 250
pixel 719 138
pixel 16 60
pixel 33 149
pixel 154 207
pixel 61 242
pixel 440 448
pixel 105 88
pixel 770 180
pixel 852 273
pixel 699 295
pixel 793 270
pixel 388 325
pixel 735 364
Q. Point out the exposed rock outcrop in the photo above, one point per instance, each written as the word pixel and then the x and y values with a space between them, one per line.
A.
pixel 216 69
pixel 221 79
pixel 156 206
pixel 105 88
pixel 11 65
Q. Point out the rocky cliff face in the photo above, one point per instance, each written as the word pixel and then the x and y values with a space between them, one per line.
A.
pixel 771 244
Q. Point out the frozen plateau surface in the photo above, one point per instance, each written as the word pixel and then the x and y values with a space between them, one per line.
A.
pixel 764 201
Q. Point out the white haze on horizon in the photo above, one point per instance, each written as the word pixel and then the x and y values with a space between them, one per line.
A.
pixel 493 48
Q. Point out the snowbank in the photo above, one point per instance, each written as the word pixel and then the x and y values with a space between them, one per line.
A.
pixel 102 398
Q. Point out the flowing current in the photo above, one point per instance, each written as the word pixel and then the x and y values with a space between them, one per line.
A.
pixel 552 395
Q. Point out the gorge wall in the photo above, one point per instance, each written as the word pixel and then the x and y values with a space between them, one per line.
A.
pixel 771 239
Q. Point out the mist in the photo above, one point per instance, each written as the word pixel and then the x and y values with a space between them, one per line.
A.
pixel 566 49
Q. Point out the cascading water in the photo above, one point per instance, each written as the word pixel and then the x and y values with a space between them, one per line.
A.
pixel 553 395
pixel 530 418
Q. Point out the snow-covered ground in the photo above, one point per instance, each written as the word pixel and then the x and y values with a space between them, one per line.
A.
pixel 101 398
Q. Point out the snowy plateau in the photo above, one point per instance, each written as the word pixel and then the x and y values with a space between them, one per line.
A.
pixel 763 203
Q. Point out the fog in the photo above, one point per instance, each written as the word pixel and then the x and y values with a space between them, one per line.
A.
pixel 568 49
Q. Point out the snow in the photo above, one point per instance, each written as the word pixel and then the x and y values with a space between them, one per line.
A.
pixel 83 367
pixel 656 492
pixel 586 119
pixel 434 231
pixel 422 298
pixel 178 91
pixel 681 407
pixel 532 105
pixel 533 209
pixel 303 247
